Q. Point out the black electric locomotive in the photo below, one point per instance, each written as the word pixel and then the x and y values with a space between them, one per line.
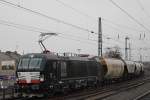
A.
pixel 49 73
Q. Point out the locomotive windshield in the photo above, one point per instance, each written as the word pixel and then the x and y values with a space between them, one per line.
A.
pixel 35 63
pixel 23 64
pixel 30 63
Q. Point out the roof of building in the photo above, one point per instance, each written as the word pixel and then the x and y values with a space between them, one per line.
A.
pixel 8 55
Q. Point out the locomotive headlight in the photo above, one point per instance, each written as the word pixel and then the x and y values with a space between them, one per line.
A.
pixel 60 82
pixel 17 79
pixel 41 78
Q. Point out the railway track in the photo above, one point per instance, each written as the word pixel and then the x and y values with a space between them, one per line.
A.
pixel 95 93
pixel 111 92
pixel 143 96
pixel 114 89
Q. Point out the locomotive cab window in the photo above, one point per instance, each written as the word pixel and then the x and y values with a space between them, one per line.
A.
pixel 35 63
pixel 30 63
pixel 23 64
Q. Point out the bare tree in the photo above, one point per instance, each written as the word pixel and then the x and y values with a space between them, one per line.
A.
pixel 113 52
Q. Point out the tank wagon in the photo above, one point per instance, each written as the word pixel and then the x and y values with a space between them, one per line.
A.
pixel 113 68
pixel 49 73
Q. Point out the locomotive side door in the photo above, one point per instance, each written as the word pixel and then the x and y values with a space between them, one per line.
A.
pixel 51 71
pixel 63 69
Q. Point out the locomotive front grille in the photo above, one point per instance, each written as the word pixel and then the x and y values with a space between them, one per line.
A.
pixel 28 77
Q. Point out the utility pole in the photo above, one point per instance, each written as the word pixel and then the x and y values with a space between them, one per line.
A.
pixel 79 50
pixel 140 58
pixel 99 38
pixel 140 55
pixel 126 48
pixel 129 51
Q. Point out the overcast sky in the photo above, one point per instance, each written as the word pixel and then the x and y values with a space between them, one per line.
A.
pixel 83 13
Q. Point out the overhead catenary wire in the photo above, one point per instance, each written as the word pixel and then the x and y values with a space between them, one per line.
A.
pixel 57 20
pixel 76 10
pixel 114 28
pixel 23 27
pixel 142 8
pixel 18 6
pixel 46 16
pixel 40 30
pixel 130 16
pixel 104 19
pixel 42 14
pixel 123 32
pixel 78 40
pixel 119 41
pixel 35 29
pixel 121 26
pixel 144 48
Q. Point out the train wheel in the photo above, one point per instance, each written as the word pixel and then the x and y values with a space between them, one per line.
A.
pixel 45 95
pixel 65 91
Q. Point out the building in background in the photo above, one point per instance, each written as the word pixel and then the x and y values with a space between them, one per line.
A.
pixel 8 62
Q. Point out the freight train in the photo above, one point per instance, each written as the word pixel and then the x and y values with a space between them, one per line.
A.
pixel 50 73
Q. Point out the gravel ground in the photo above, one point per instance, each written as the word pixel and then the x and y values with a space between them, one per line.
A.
pixel 130 94
pixel 147 97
